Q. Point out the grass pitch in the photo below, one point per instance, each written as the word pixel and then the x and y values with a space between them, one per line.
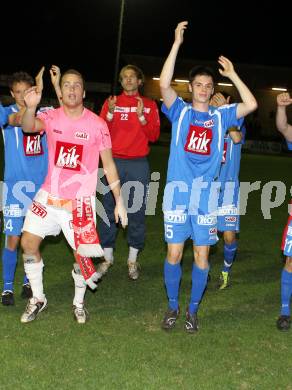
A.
pixel 122 345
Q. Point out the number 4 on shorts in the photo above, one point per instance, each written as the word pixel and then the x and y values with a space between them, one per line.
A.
pixel 8 225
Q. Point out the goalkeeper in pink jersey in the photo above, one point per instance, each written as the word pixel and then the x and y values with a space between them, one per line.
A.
pixel 76 138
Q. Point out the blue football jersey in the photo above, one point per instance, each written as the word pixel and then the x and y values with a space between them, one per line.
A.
pixel 26 155
pixel 196 144
pixel 3 116
pixel 289 145
pixel 230 166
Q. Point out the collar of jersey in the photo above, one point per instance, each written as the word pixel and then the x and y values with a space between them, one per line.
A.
pixel 131 96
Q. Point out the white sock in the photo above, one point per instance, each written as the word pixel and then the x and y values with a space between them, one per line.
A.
pixel 80 289
pixel 133 253
pixel 34 272
pixel 109 254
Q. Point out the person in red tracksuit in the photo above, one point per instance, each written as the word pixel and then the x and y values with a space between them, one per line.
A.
pixel 133 121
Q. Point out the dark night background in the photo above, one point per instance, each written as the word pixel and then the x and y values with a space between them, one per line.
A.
pixel 83 34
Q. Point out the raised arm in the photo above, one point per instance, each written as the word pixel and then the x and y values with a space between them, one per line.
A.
pixel 39 82
pixel 283 100
pixel 107 111
pixel 235 134
pixel 167 92
pixel 249 103
pixel 31 124
pixel 113 179
pixel 217 100
pixel 55 74
pixel 150 122
pixel 15 119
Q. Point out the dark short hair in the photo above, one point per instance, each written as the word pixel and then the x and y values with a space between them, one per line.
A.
pixel 20 77
pixel 73 71
pixel 138 71
pixel 201 70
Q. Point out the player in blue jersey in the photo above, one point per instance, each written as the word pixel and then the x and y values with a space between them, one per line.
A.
pixel 3 115
pixel 25 168
pixel 191 193
pixel 228 210
pixel 284 320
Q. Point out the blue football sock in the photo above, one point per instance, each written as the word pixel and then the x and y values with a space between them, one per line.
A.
pixel 229 252
pixel 199 282
pixel 9 261
pixel 25 279
pixel 286 292
pixel 172 277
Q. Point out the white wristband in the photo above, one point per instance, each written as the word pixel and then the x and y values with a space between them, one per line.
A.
pixel 109 116
pixel 141 118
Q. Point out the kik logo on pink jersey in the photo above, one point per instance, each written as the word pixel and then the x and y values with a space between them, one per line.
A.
pixel 68 156
pixel 32 145
pixel 199 140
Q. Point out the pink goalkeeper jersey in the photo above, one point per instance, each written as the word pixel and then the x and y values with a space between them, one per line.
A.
pixel 74 146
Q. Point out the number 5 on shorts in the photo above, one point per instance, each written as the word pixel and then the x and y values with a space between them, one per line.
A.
pixel 168 231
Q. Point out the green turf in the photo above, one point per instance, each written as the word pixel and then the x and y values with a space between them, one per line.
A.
pixel 123 347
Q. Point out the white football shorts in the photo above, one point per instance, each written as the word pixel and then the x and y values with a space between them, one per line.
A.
pixel 46 220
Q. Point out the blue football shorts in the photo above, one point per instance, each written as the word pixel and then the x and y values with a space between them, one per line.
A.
pixel 16 198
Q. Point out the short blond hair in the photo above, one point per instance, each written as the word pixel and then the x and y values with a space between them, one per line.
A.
pixel 73 71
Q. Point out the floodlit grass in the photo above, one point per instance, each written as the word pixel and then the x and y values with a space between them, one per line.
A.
pixel 122 345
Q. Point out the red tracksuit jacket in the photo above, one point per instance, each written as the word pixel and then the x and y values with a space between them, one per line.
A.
pixel 130 139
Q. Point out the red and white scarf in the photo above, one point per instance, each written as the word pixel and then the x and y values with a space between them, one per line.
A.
pixel 85 236
pixel 86 267
pixel 86 239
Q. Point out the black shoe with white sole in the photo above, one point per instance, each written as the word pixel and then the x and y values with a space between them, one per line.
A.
pixel 191 324
pixel 7 298
pixel 169 319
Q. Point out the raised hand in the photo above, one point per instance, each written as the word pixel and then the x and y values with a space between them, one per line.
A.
pixel 55 73
pixel 227 66
pixel 179 32
pixel 112 100
pixel 140 106
pixel 32 97
pixel 218 100
pixel 283 99
pixel 39 80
